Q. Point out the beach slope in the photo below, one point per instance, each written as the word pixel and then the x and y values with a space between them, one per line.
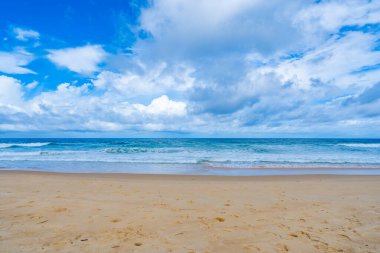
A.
pixel 48 212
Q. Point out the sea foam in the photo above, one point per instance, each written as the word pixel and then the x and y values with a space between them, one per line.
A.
pixel 33 144
pixel 361 145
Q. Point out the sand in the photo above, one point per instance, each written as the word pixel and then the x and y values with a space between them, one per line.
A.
pixel 47 212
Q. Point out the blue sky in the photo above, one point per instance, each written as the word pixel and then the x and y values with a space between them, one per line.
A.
pixel 190 68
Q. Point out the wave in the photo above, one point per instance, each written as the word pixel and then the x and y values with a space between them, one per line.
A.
pixel 290 164
pixel 132 150
pixel 361 145
pixel 207 161
pixel 32 144
pixel 78 157
pixel 125 150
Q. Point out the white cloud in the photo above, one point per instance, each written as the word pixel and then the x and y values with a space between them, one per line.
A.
pixel 186 17
pixel 338 61
pixel 99 125
pixel 24 34
pixel 15 62
pixel 83 60
pixel 150 82
pixel 163 106
pixel 10 91
pixel 32 85
pixel 72 107
pixel 229 66
pixel 216 35
pixel 330 16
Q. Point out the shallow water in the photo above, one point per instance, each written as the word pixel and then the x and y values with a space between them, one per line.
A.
pixel 194 156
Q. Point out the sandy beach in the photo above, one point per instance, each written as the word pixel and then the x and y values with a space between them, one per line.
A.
pixel 53 212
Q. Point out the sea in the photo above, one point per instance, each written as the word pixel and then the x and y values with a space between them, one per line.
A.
pixel 228 157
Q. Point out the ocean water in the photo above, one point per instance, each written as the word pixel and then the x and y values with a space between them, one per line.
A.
pixel 193 156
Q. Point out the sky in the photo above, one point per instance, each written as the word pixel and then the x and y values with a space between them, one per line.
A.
pixel 181 68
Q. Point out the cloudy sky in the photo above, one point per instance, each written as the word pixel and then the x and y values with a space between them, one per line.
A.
pixel 181 68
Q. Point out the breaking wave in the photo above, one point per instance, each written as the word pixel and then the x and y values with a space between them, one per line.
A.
pixel 33 144
pixel 361 145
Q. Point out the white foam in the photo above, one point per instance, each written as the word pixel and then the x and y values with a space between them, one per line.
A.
pixel 361 145
pixel 32 144
pixel 5 145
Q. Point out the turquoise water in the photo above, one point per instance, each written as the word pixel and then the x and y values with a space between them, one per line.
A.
pixel 194 156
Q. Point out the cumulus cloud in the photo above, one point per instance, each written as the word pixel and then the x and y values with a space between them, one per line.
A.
pixel 253 67
pixel 71 107
pixel 11 91
pixel 24 34
pixel 147 82
pixel 163 106
pixel 15 62
pixel 83 60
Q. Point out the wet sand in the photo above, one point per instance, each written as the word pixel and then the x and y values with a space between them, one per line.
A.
pixel 53 212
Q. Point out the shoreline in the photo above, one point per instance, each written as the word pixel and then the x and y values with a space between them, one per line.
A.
pixel 190 178
pixel 241 173
pixel 161 175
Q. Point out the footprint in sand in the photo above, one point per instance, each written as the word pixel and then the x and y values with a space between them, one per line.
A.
pixel 251 247
pixel 115 220
pixel 220 219
pixel 345 236
pixel 60 209
pixel 138 244
pixel 282 248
